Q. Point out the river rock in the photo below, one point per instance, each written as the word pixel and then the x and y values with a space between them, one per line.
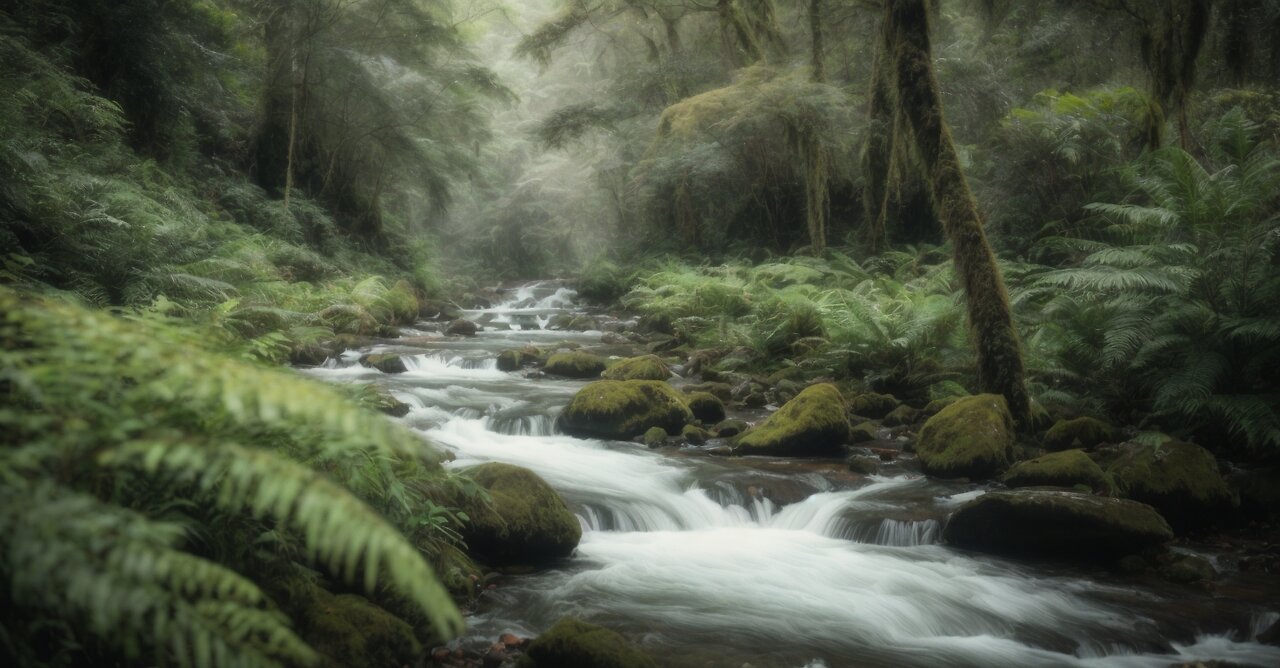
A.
pixel 350 630
pixel 971 438
pixel 934 407
pixel 1084 432
pixel 722 391
pixel 384 362
pixel 873 405
pixel 706 407
pixel 730 428
pixel 695 435
pixel 901 416
pixel 644 367
pixel 462 327
pixel 1187 569
pixel 655 437
pixel 574 643
pixel 1061 469
pixel 510 360
pixel 1062 525
pixel 1180 479
pixel 526 523
pixel 864 432
pixel 812 424
pixel 575 364
pixel 624 409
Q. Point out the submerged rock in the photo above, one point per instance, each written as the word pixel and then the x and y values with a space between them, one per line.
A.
pixel 1063 525
pixel 1062 469
pixel 971 438
pixel 645 367
pixel 873 405
pixel 525 523
pixel 384 362
pixel 575 365
pixel 706 407
pixel 574 643
pixel 462 327
pixel 1180 479
pixel 624 409
pixel 812 424
pixel 1084 432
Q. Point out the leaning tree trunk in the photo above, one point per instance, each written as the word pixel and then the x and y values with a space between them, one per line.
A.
pixel 1000 367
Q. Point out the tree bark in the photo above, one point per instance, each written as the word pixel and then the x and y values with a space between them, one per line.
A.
pixel 819 69
pixel 1000 366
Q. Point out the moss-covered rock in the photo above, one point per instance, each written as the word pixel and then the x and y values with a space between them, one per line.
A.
pixel 575 364
pixel 644 367
pixel 1084 432
pixel 384 362
pixel 624 409
pixel 864 432
pixel 1061 469
pixel 510 360
pixel 1180 479
pixel 873 405
pixel 349 631
pixel 574 643
pixel 971 438
pixel 525 523
pixel 730 428
pixel 695 435
pixel 1187 568
pixel 462 327
pixel 386 402
pixel 706 407
pixel 863 464
pixel 812 424
pixel 934 407
pixel 902 415
pixel 655 437
pixel 1058 525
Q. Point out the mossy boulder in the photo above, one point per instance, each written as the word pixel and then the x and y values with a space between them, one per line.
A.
pixel 1061 469
pixel 510 360
pixel 1187 569
pixel 384 362
pixel 386 402
pixel 462 327
pixel 655 437
pixel 1084 432
pixel 863 432
pixel 721 391
pixel 525 523
pixel 971 438
pixel 575 364
pixel 730 428
pixel 695 435
pixel 706 407
pixel 1056 525
pixel 873 405
pixel 934 407
pixel 902 415
pixel 1180 479
pixel 624 409
pixel 812 424
pixel 349 631
pixel 644 367
pixel 572 642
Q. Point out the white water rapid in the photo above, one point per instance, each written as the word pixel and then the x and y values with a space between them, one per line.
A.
pixel 719 562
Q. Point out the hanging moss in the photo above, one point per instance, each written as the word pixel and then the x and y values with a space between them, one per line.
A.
pixel 1000 366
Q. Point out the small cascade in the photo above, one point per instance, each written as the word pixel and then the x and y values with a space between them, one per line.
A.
pixel 521 425
pixel 898 533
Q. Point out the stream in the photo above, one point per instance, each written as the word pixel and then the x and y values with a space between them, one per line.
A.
pixel 715 561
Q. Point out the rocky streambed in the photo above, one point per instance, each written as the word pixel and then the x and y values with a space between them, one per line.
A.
pixel 816 538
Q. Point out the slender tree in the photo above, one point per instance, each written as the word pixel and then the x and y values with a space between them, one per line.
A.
pixel 919 101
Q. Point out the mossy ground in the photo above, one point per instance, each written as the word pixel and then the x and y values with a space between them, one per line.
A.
pixel 971 438
pixel 815 423
pixel 622 410
pixel 526 521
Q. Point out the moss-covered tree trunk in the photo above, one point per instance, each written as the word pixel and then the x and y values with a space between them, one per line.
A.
pixel 819 60
pixel 877 151
pixel 273 144
pixel 1000 368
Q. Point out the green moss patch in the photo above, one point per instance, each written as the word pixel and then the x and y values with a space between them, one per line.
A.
pixel 525 523
pixel 1180 479
pixel 706 407
pixel 1062 469
pixel 571 642
pixel 1084 432
pixel 622 410
pixel 575 364
pixel 645 367
pixel 812 424
pixel 971 438
pixel 350 631
pixel 873 405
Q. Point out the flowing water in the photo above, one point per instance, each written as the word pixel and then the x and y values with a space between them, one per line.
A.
pixel 712 561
